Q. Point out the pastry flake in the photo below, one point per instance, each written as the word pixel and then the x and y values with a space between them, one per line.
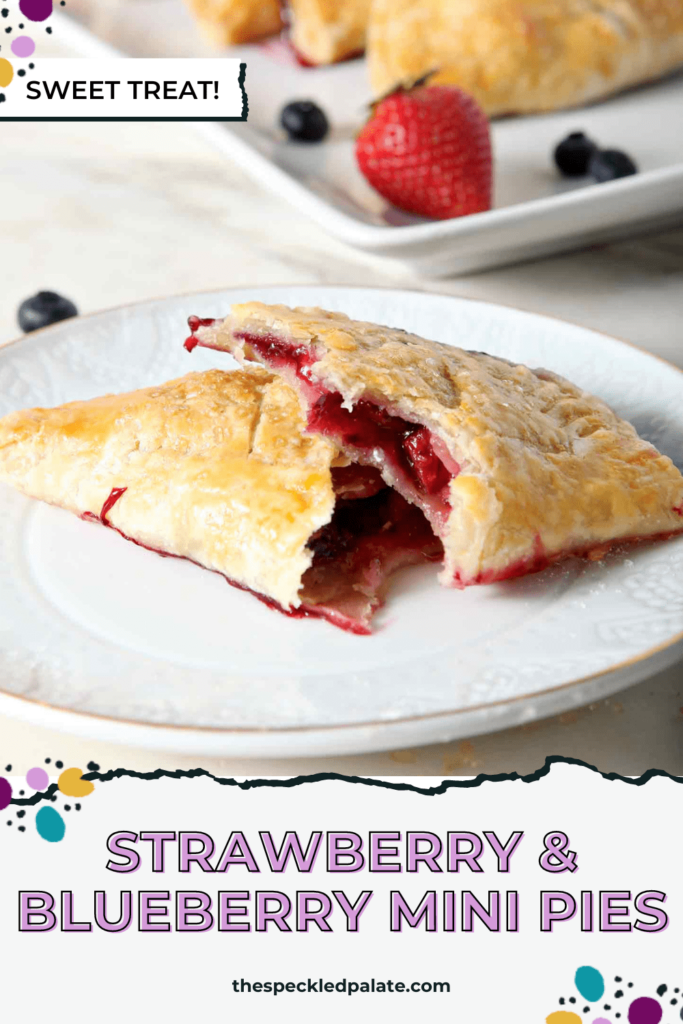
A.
pixel 230 22
pixel 326 31
pixel 215 467
pixel 522 56
pixel 514 468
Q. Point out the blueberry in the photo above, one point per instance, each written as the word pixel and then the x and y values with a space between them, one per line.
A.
pixel 573 154
pixel 305 121
pixel 43 309
pixel 608 164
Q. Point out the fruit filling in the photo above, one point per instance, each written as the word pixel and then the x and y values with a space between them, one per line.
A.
pixel 411 457
pixel 373 533
pixel 375 436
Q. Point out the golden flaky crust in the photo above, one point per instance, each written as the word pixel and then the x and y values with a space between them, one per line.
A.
pixel 215 465
pixel 545 468
pixel 229 22
pixel 324 31
pixel 520 56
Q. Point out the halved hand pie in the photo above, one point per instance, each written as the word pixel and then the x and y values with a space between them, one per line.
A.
pixel 216 468
pixel 514 468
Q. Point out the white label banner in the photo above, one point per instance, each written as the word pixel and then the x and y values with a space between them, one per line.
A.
pixel 180 899
pixel 123 89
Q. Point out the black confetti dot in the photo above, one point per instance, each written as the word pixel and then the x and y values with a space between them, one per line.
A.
pixel 2 97
pixel 8 768
pixel 22 828
pixel 20 814
pixel 677 990
pixel 571 999
pixel 607 1006
pixel 47 759
pixel 5 12
pixel 67 807
pixel 617 979
pixel 77 806
pixel 59 764
pixel 21 26
pixel 618 994
pixel 93 766
pixel 661 990
pixel 673 1002
pixel 53 798
pixel 21 73
pixel 561 1000
pixel 49 31
pixel 9 822
pixel 31 66
pixel 630 984
pixel 8 29
pixel 586 1009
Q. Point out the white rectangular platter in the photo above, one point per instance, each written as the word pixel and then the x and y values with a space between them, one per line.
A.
pixel 536 211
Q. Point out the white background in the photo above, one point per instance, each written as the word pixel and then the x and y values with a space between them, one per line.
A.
pixel 224 71
pixel 626 837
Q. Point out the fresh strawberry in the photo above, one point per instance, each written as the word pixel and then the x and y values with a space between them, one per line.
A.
pixel 428 151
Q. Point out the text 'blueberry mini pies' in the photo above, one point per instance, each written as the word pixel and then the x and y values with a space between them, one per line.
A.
pixel 514 468
pixel 215 467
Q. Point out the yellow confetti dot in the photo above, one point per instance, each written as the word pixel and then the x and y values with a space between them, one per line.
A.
pixel 563 1017
pixel 71 784
pixel 6 72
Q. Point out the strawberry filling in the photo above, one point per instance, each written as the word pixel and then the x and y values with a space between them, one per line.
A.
pixel 412 459
pixel 368 539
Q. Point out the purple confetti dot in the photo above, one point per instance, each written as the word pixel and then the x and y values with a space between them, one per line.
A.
pixel 23 46
pixel 36 10
pixel 5 793
pixel 645 1011
pixel 37 778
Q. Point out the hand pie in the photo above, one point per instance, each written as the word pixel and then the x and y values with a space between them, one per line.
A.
pixel 514 468
pixel 320 31
pixel 215 468
pixel 521 56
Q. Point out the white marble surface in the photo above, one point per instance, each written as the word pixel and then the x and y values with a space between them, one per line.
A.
pixel 111 213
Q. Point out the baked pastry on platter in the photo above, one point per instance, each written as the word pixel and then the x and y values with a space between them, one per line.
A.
pixel 325 31
pixel 215 467
pixel 230 22
pixel 320 31
pixel 521 56
pixel 514 468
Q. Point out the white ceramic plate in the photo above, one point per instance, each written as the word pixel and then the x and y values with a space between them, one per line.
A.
pixel 537 212
pixel 103 638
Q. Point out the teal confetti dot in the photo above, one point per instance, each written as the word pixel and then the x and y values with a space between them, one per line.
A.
pixel 50 824
pixel 590 983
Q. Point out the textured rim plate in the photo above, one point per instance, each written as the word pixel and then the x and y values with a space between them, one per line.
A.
pixel 110 641
pixel 536 213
